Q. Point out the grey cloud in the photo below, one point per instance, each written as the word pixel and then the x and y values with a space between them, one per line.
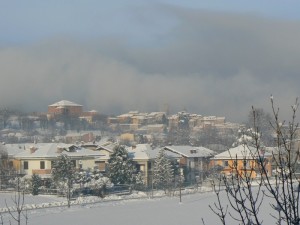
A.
pixel 210 63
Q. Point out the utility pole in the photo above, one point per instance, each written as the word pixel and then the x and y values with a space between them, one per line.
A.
pixel 180 185
pixel 151 183
pixel 180 171
pixel 151 172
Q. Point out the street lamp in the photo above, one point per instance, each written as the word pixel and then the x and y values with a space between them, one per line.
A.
pixel 180 185
pixel 179 169
pixel 151 182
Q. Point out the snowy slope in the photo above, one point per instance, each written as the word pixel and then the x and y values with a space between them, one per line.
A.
pixel 147 211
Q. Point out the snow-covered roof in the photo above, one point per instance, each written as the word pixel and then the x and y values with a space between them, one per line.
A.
pixel 141 117
pixel 51 150
pixel 190 151
pixel 147 152
pixel 13 149
pixel 139 152
pixel 107 146
pixel 240 152
pixel 155 125
pixel 156 113
pixel 65 103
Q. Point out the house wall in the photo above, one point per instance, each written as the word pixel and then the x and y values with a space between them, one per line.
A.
pixel 70 110
pixel 145 169
pixel 127 137
pixel 34 167
pixel 86 163
pixel 196 167
pixel 16 164
pixel 124 119
pixel 241 169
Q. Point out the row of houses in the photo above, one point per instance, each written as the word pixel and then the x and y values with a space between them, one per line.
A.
pixel 29 159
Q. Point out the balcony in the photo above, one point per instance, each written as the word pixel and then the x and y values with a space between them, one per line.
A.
pixel 41 172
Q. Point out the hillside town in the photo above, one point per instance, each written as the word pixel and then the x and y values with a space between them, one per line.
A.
pixel 149 112
pixel 68 122
pixel 201 146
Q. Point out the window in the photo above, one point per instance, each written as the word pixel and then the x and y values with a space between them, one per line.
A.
pixel 149 166
pixel 138 167
pixel 225 163
pixel 52 164
pixel 25 165
pixel 101 165
pixel 245 163
pixel 234 164
pixel 42 165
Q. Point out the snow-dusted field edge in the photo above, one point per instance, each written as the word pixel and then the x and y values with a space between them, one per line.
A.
pixel 89 199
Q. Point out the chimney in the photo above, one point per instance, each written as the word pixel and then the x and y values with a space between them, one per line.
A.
pixel 59 149
pixel 32 149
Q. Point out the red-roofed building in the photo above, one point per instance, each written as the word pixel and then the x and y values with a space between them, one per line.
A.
pixel 65 108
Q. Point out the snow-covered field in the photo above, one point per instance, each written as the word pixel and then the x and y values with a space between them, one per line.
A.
pixel 117 211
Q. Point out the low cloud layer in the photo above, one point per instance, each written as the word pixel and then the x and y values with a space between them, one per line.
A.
pixel 209 63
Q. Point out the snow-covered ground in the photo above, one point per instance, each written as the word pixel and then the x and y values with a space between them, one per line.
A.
pixel 115 210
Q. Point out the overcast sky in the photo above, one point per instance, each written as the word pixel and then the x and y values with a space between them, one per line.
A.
pixel 204 56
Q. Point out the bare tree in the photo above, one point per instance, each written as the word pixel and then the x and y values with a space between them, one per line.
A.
pixel 263 120
pixel 1 219
pixel 18 211
pixel 249 188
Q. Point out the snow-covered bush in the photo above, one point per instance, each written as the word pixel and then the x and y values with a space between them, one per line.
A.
pixel 93 180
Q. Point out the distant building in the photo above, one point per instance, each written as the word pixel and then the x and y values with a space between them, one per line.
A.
pixel 64 108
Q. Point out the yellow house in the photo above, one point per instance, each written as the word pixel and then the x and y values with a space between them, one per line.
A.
pixel 242 160
pixel 39 158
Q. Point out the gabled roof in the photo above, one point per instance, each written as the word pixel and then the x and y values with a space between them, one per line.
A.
pixel 240 152
pixel 50 150
pixel 64 103
pixel 139 152
pixel 147 152
pixel 190 151
pixel 13 149
pixel 108 147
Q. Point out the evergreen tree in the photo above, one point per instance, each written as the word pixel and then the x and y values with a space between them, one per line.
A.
pixel 139 181
pixel 163 172
pixel 5 170
pixel 35 184
pixel 64 171
pixel 121 168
